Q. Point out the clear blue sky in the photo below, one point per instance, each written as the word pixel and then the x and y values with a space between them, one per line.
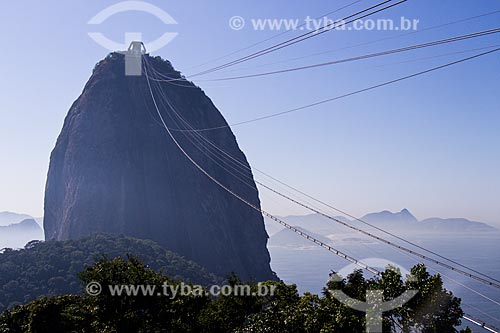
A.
pixel 431 144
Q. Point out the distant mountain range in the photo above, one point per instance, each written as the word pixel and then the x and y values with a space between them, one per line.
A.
pixel 312 222
pixel 455 225
pixel 403 222
pixel 7 218
pixel 16 235
pixel 18 229
pixel 287 238
pixel 387 217
pixel 406 221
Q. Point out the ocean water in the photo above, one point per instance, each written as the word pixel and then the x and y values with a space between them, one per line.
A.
pixel 309 267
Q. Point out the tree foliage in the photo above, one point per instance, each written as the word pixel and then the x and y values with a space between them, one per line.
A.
pixel 51 268
pixel 433 310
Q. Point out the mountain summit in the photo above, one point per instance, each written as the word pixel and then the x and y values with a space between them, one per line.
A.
pixel 385 216
pixel 115 170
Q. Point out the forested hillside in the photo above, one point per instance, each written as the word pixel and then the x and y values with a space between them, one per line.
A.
pixel 51 268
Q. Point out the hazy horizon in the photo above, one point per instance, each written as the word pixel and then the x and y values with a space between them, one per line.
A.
pixel 335 214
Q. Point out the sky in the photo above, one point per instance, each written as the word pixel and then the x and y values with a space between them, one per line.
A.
pixel 430 144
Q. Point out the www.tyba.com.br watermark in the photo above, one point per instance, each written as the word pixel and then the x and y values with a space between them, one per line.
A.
pixel 309 24
pixel 177 290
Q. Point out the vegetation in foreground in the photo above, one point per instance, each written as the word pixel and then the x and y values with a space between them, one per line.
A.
pixel 51 268
pixel 432 310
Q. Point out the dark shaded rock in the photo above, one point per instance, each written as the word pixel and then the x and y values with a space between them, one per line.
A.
pixel 115 170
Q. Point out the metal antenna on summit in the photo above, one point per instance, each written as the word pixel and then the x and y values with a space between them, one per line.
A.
pixel 133 58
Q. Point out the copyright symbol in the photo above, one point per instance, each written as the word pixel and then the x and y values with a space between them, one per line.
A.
pixel 236 22
pixel 93 288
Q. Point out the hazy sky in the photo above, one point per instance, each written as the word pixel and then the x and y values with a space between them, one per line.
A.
pixel 431 144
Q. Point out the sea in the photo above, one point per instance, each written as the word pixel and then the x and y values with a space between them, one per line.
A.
pixel 309 267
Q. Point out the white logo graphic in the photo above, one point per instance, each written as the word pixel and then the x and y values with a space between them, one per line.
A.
pixel 93 289
pixel 236 22
pixel 127 6
pixel 374 306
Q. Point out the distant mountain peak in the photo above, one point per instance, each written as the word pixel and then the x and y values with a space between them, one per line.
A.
pixel 28 223
pixel 456 224
pixel 403 221
pixel 286 237
pixel 16 235
pixel 404 216
pixel 23 225
pixel 407 213
pixel 7 218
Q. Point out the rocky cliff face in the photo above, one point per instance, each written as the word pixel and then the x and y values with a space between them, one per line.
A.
pixel 115 170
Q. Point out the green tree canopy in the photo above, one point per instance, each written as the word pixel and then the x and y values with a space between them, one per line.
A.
pixel 434 309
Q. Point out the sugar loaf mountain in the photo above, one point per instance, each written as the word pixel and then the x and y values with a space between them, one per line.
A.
pixel 115 170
